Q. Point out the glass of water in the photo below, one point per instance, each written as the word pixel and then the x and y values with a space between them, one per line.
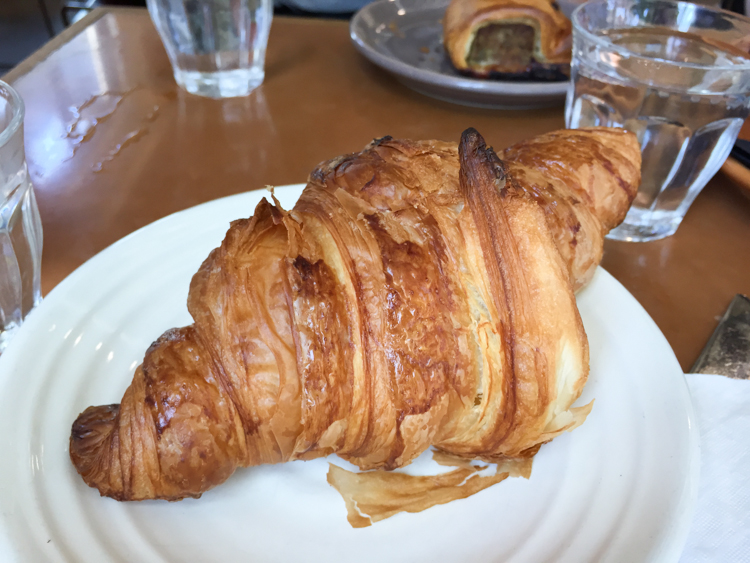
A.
pixel 20 225
pixel 217 47
pixel 678 76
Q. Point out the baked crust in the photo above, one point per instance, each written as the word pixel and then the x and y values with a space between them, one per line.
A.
pixel 419 293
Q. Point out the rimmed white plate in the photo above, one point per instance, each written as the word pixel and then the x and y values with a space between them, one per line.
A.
pixel 405 37
pixel 620 488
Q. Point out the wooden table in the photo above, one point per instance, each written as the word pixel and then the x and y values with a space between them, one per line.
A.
pixel 155 149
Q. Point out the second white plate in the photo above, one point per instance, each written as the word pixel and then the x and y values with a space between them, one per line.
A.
pixel 619 488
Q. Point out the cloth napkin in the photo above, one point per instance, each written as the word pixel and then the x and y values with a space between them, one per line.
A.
pixel 721 525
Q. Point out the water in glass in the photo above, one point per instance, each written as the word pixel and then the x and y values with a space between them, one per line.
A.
pixel 20 225
pixel 217 47
pixel 685 94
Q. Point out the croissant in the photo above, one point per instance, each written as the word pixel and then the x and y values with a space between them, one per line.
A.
pixel 509 38
pixel 419 293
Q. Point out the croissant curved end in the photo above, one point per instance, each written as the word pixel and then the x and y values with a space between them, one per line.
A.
pixel 91 432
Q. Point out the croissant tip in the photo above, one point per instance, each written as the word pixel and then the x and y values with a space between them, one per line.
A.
pixel 380 140
pixel 474 154
pixel 470 131
pixel 471 137
pixel 472 143
pixel 90 431
pixel 91 420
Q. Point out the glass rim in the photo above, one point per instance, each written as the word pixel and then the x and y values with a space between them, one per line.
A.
pixel 16 103
pixel 604 42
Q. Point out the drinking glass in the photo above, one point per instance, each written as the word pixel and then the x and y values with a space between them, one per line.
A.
pixel 678 76
pixel 217 47
pixel 20 225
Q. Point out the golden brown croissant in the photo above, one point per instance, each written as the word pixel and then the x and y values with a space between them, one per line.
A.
pixel 511 38
pixel 419 293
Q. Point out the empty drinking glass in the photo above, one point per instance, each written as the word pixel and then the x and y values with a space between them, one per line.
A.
pixel 20 225
pixel 678 76
pixel 217 47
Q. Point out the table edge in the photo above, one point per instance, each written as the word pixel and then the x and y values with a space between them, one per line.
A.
pixel 29 63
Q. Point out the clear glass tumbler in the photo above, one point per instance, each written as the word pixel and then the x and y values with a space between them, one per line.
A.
pixel 677 75
pixel 20 225
pixel 217 47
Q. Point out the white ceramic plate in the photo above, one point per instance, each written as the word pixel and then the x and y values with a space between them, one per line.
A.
pixel 405 37
pixel 620 488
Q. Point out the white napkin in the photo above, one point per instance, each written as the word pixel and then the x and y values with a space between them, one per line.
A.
pixel 721 526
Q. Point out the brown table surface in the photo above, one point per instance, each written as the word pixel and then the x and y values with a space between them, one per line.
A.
pixel 160 150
